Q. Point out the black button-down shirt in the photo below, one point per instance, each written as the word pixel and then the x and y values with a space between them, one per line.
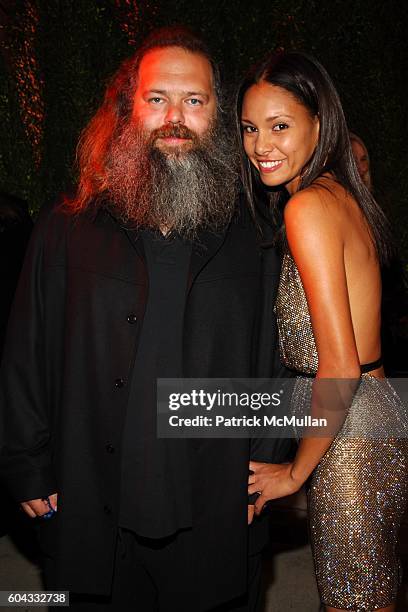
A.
pixel 155 490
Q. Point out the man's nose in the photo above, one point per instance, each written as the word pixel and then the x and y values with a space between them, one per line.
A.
pixel 174 114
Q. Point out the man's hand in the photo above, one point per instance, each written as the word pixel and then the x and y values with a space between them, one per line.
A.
pixel 38 507
pixel 271 481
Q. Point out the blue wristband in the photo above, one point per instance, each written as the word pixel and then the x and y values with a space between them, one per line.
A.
pixel 51 511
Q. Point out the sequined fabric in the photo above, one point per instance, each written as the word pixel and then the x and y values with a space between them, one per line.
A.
pixel 296 342
pixel 358 492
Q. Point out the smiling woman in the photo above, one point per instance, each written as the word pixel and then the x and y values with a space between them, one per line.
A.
pixel 296 145
pixel 279 134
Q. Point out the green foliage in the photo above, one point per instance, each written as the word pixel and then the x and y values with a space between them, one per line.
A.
pixel 80 44
pixel 17 173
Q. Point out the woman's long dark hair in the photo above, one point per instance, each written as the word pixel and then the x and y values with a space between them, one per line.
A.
pixel 306 79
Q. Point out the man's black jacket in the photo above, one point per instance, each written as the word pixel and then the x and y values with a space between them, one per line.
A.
pixel 68 359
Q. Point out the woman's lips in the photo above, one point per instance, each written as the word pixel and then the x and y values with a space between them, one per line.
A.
pixel 268 166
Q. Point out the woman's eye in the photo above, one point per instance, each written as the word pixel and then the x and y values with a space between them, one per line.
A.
pixel 280 126
pixel 249 129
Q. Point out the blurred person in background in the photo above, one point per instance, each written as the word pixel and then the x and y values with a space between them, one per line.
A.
pixel 394 329
pixel 362 159
pixel 15 231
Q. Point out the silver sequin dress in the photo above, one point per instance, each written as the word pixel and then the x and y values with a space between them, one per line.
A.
pixel 358 492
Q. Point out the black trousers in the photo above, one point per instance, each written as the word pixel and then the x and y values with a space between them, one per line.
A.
pixel 154 576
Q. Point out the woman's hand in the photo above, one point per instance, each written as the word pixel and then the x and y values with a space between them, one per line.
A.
pixel 271 480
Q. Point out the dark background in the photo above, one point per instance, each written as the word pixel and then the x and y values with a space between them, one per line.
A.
pixel 58 54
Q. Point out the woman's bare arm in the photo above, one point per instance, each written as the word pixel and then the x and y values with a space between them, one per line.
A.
pixel 316 237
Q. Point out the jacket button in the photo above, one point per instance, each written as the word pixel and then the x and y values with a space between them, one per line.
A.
pixel 110 448
pixel 119 382
pixel 107 510
pixel 132 318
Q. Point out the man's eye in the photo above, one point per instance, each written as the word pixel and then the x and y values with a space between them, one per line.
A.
pixel 194 102
pixel 249 129
pixel 155 100
pixel 280 126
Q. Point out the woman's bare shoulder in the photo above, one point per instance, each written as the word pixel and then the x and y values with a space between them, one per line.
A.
pixel 319 207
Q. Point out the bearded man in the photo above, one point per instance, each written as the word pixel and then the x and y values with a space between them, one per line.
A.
pixel 151 270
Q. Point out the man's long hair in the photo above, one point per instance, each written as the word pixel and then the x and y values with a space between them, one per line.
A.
pixel 115 112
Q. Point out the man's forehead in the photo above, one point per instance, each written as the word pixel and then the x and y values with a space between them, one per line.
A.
pixel 174 65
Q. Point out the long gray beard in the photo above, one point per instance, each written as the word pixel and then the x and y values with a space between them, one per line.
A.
pixel 182 191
